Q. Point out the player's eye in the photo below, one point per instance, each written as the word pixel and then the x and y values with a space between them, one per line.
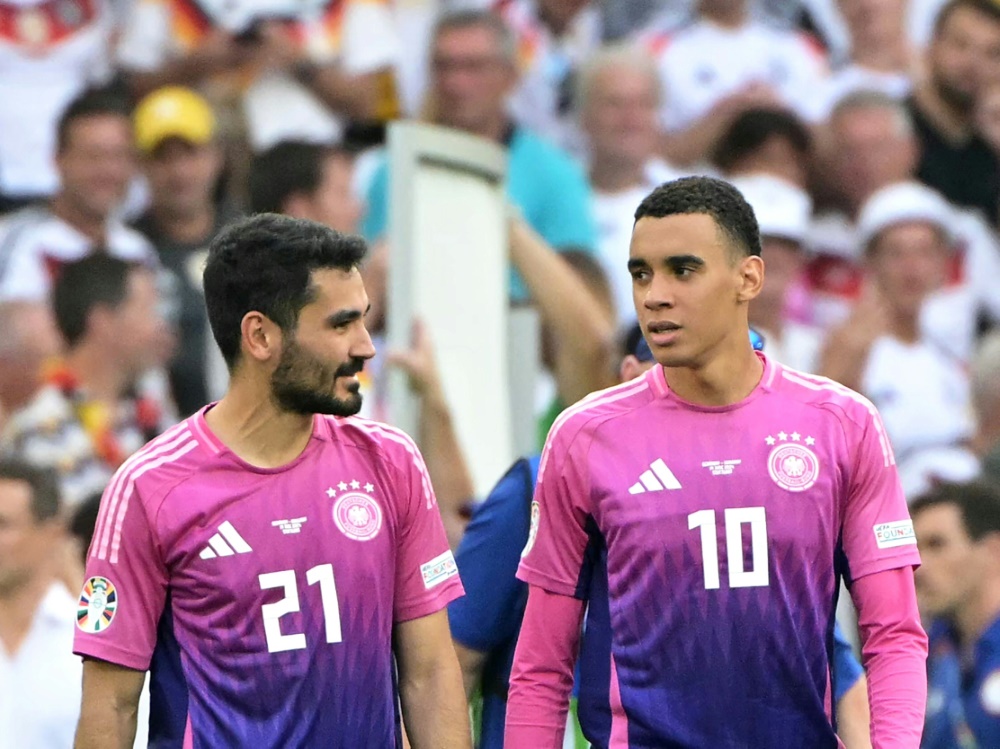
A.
pixel 640 274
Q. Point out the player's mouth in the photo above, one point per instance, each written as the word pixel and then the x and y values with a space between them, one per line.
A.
pixel 662 333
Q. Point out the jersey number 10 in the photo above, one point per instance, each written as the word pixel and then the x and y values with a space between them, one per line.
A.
pixel 736 518
pixel 322 574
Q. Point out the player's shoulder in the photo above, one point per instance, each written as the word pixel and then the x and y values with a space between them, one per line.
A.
pixel 822 392
pixel 600 407
pixel 161 463
pixel 379 438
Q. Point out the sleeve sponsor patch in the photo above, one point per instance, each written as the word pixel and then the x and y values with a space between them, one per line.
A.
pixel 439 569
pixel 898 533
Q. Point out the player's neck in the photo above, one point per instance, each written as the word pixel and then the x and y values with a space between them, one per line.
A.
pixel 950 122
pixel 978 614
pixel 18 607
pixel 726 379
pixel 251 424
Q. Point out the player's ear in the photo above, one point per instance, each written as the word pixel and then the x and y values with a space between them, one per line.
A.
pixel 751 277
pixel 260 337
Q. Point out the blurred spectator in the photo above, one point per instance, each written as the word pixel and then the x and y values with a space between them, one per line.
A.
pixel 50 50
pixel 920 390
pixel 306 180
pixel 95 163
pixel 618 97
pixel 958 587
pixel 783 212
pixel 293 70
pixel 723 64
pixel 39 675
pixel 91 415
pixel 765 141
pixel 962 62
pixel 473 71
pixel 29 340
pixel 985 376
pixel 871 145
pixel 554 39
pixel 880 57
pixel 175 132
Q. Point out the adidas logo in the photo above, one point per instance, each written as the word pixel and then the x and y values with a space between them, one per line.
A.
pixel 656 479
pixel 225 543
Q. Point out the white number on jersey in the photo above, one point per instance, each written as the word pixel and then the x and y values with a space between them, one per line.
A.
pixel 272 612
pixel 736 518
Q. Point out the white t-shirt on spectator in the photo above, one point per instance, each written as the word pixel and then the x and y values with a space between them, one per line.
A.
pixel 33 242
pixel 922 393
pixel 704 63
pixel 277 107
pixel 40 684
pixel 50 50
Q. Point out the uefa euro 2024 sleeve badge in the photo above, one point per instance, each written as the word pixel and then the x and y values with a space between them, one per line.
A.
pixel 792 463
pixel 98 602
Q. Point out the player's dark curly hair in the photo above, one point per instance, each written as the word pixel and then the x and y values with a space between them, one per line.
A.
pixel 713 197
pixel 264 263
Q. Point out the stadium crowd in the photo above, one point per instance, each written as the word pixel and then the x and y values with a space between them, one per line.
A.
pixel 864 133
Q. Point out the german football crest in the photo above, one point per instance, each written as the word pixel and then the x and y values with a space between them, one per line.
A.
pixel 98 602
pixel 792 464
pixel 357 515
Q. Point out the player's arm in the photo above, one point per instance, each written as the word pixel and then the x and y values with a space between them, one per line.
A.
pixel 435 712
pixel 110 705
pixel 894 653
pixel 541 678
pixel 854 717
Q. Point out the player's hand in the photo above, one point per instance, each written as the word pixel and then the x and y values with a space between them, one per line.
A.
pixel 419 363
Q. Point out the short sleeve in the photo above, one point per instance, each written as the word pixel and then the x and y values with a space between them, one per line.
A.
pixel 125 584
pixel 145 41
pixel 490 612
pixel 554 557
pixel 877 530
pixel 426 574
pixel 370 39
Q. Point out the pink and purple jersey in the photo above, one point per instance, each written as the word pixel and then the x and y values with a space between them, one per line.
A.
pixel 709 543
pixel 263 600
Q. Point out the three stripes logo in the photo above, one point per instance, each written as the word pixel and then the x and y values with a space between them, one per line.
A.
pixel 225 543
pixel 656 479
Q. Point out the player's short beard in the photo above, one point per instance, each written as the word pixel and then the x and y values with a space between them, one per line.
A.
pixel 304 384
